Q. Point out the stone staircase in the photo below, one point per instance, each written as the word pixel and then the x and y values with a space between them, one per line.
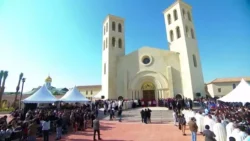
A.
pixel 159 115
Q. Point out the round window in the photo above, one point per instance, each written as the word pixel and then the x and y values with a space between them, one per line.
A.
pixel 146 60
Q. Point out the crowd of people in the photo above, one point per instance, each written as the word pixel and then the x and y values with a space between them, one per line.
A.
pixel 42 122
pixel 146 115
pixel 217 122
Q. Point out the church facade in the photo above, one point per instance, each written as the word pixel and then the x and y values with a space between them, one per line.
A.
pixel 151 73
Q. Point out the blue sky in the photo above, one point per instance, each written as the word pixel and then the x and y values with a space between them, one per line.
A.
pixel 63 38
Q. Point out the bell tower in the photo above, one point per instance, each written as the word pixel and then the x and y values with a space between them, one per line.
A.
pixel 113 47
pixel 182 39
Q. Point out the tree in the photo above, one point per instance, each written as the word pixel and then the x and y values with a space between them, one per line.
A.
pixel 17 89
pixel 56 93
pixel 3 76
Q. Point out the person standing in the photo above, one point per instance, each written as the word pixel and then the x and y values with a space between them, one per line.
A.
pixel 145 116
pixel 193 128
pixel 209 135
pixel 59 128
pixel 200 120
pixel 96 127
pixel 149 115
pixel 142 115
pixel 182 123
pixel 32 130
pixel 175 117
pixel 120 113
pixel 45 129
pixel 220 131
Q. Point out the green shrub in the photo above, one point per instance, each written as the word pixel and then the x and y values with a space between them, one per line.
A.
pixel 7 109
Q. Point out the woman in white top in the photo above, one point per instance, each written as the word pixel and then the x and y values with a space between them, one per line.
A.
pixel 45 129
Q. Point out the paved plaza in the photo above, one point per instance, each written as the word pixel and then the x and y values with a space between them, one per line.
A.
pixel 158 115
pixel 131 128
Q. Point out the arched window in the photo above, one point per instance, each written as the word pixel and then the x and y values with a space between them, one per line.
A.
pixel 113 26
pixel 104 68
pixel 171 35
pixel 184 14
pixel 120 43
pixel 234 86
pixel 169 19
pixel 194 60
pixel 187 31
pixel 104 30
pixel 192 33
pixel 106 43
pixel 113 41
pixel 175 15
pixel 189 16
pixel 119 27
pixel 178 32
pixel 107 27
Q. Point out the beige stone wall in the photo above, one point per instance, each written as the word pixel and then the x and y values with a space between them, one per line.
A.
pixel 89 92
pixel 225 88
pixel 186 46
pixel 132 73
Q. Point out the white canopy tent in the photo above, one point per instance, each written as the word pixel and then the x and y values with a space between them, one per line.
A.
pixel 240 94
pixel 74 96
pixel 43 95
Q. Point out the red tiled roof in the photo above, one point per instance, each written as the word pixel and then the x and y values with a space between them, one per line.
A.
pixel 228 80
pixel 90 87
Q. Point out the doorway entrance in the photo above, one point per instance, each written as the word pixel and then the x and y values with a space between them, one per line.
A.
pixel 148 90
pixel 178 96
pixel 149 94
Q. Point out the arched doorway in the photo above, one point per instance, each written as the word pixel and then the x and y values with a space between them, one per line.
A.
pixel 148 90
pixel 178 96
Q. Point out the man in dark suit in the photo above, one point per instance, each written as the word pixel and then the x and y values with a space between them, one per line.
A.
pixel 96 127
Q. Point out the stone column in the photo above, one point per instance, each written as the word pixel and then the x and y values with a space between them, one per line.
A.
pixel 159 94
pixel 140 94
pixel 170 81
pixel 156 95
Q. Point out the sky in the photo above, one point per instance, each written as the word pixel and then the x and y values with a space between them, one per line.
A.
pixel 63 38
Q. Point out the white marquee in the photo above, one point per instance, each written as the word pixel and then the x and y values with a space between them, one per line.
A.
pixel 240 94
pixel 74 96
pixel 43 95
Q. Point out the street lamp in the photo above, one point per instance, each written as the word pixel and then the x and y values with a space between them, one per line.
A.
pixel 23 80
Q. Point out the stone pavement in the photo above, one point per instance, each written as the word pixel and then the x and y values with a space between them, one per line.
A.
pixel 131 128
pixel 158 115
pixel 131 131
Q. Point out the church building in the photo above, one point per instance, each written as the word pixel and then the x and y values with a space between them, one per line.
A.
pixel 151 73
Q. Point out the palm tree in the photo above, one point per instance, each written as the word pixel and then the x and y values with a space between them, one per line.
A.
pixel 1 76
pixel 5 75
pixel 17 88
